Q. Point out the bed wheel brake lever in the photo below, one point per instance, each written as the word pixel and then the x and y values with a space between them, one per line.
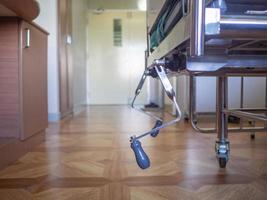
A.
pixel 157 70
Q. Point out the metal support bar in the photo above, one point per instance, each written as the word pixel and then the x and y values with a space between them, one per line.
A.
pixel 247 115
pixel 193 120
pixel 221 105
pixel 254 110
pixel 171 94
pixel 242 100
pixel 197 39
pixel 222 145
pixel 265 125
pixel 156 71
pixel 192 108
pixel 137 92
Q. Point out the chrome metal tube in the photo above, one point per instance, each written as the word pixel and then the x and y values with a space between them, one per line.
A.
pixel 246 115
pixel 197 32
pixel 242 100
pixel 166 124
pixel 221 105
pixel 171 94
pixel 243 20
pixel 193 119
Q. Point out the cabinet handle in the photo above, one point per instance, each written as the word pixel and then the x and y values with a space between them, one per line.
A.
pixel 28 38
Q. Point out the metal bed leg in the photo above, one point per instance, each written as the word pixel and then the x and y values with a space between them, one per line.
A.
pixel 252 133
pixel 193 114
pixel 252 123
pixel 222 146
pixel 192 103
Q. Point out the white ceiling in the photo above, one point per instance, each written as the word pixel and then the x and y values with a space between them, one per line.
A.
pixel 117 4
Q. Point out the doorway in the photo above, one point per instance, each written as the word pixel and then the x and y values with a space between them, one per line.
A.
pixel 116 45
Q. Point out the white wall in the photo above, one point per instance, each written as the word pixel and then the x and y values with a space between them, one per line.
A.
pixel 48 20
pixel 254 93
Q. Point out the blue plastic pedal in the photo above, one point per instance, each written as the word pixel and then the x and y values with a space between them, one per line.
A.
pixel 158 124
pixel 141 157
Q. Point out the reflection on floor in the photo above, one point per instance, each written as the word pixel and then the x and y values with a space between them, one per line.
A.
pixel 88 157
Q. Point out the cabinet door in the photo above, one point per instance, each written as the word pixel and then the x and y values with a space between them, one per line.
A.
pixel 33 79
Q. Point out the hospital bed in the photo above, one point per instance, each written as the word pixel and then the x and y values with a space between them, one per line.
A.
pixel 220 38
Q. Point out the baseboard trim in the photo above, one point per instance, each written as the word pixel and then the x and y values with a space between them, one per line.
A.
pixel 54 117
pixel 79 108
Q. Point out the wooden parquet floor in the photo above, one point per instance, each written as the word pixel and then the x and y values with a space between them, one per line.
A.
pixel 87 157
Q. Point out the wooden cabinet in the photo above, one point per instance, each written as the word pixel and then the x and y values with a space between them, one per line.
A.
pixel 23 79
pixel 33 78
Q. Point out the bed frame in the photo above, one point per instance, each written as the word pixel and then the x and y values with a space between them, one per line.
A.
pixel 207 42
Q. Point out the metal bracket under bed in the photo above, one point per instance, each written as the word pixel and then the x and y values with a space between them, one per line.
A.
pixel 156 71
pixel 233 112
pixel 222 145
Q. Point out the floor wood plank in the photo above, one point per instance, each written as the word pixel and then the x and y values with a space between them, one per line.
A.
pixel 88 157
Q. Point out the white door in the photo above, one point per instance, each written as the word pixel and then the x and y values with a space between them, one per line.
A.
pixel 114 71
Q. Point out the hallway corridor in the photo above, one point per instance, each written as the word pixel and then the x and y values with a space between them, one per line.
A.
pixel 88 157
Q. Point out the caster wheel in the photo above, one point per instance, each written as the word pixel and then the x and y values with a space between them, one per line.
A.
pixel 222 162
pixel 252 136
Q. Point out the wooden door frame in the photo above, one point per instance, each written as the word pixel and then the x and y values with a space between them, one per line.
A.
pixel 65 82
